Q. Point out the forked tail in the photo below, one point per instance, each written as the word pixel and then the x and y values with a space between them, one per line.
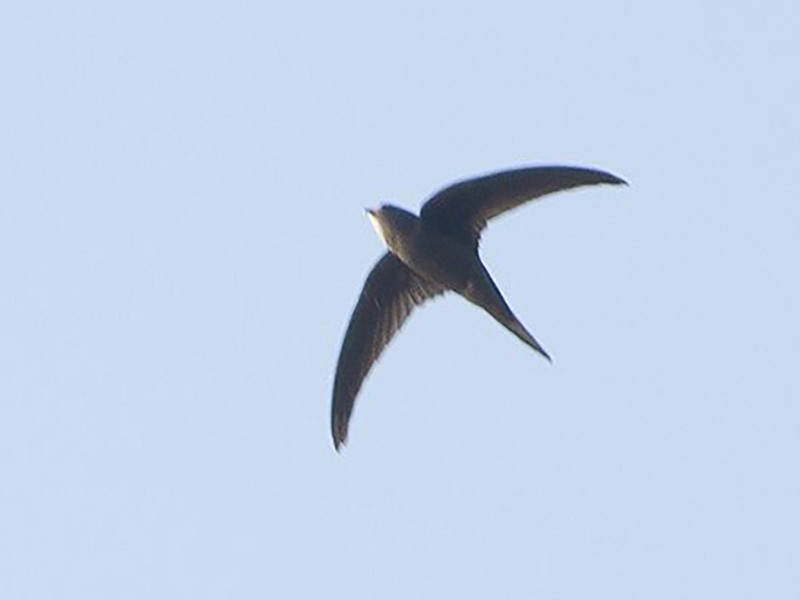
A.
pixel 486 295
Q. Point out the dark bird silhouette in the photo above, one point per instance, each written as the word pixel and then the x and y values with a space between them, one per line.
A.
pixel 432 254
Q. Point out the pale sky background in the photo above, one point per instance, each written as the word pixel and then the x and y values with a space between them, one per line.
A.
pixel 182 239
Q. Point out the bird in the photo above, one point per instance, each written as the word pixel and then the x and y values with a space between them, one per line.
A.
pixel 434 253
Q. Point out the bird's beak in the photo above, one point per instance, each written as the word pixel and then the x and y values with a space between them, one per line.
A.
pixel 376 224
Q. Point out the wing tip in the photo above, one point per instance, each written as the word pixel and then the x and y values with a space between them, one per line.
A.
pixel 339 432
pixel 586 175
pixel 614 180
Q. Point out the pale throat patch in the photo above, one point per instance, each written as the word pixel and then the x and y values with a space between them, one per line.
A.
pixel 376 225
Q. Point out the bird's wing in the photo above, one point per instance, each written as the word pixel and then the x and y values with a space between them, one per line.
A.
pixel 463 209
pixel 390 293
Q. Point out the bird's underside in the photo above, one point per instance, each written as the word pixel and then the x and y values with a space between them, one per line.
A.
pixel 431 254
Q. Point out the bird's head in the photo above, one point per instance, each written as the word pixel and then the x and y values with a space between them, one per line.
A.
pixel 392 224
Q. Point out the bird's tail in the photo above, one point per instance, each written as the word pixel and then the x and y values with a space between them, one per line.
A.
pixel 486 295
pixel 513 324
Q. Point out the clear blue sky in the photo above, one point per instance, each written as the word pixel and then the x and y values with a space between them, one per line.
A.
pixel 182 240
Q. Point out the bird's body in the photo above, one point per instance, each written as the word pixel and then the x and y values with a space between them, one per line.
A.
pixel 439 259
pixel 432 254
